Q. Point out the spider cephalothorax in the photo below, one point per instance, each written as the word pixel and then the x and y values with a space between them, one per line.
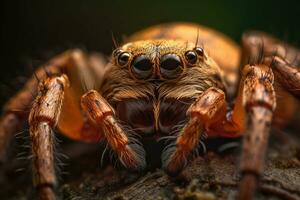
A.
pixel 177 81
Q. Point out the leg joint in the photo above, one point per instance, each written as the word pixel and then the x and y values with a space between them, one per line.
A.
pixel 96 106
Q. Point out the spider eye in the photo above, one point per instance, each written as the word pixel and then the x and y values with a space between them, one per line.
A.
pixel 170 66
pixel 191 57
pixel 199 51
pixel 142 67
pixel 123 58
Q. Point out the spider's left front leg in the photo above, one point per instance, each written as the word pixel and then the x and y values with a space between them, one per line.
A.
pixel 208 109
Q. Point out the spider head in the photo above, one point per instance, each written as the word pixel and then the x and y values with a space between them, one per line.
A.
pixel 160 67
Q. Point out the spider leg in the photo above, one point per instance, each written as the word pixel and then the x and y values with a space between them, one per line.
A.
pixel 208 108
pixel 16 111
pixel 286 74
pixel 257 96
pixel 130 152
pixel 43 118
pixel 257 101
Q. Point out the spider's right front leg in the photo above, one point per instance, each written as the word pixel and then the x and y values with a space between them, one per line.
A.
pixel 130 152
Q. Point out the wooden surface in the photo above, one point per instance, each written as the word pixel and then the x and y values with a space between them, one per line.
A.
pixel 212 176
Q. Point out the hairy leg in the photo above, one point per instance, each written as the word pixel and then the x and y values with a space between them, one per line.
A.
pixel 257 100
pixel 208 108
pixel 130 153
pixel 43 118
pixel 16 111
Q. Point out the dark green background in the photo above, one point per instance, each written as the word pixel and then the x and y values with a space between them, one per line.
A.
pixel 32 31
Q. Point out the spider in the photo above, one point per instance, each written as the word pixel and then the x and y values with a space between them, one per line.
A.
pixel 179 81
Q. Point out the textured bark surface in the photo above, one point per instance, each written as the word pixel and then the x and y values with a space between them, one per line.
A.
pixel 213 176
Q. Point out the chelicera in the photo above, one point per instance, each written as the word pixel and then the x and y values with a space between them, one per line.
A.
pixel 171 81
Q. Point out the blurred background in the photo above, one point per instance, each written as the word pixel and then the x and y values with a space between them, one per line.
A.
pixel 33 31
